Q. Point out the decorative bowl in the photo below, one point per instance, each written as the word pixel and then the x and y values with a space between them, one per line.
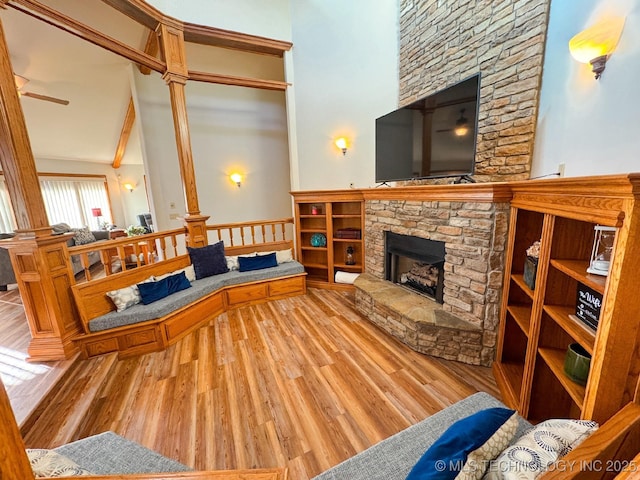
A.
pixel 318 240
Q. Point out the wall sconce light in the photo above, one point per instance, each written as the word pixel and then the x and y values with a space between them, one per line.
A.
pixel 341 143
pixel 595 44
pixel 237 178
pixel 129 187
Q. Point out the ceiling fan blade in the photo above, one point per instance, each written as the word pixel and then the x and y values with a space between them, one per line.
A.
pixel 20 80
pixel 45 97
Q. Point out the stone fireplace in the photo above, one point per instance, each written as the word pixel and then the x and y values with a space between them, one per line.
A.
pixel 415 263
pixel 472 234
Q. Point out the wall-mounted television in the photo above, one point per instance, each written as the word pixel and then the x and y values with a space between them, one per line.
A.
pixel 433 137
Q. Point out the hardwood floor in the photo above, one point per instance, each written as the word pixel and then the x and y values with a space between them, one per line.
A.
pixel 304 382
pixel 26 383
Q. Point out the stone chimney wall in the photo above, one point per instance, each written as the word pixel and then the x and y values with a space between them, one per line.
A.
pixel 445 41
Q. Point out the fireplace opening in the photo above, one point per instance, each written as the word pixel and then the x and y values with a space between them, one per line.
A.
pixel 415 263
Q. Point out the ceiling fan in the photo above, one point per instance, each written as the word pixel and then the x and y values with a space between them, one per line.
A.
pixel 22 81
pixel 461 128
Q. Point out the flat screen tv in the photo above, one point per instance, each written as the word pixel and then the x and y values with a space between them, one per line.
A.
pixel 433 137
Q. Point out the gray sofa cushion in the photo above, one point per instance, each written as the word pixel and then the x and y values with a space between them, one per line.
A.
pixel 7 275
pixel 394 457
pixel 109 453
pixel 199 288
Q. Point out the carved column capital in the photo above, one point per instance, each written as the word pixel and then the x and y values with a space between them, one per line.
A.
pixel 196 230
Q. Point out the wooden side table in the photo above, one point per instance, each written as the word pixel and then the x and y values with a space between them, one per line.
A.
pixel 117 234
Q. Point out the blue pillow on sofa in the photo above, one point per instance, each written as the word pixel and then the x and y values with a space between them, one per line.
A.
pixel 258 262
pixel 209 260
pixel 446 458
pixel 153 291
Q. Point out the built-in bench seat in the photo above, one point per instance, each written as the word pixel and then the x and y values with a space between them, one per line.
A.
pixel 146 328
pixel 199 289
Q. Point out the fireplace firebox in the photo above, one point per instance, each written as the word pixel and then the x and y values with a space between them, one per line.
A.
pixel 415 263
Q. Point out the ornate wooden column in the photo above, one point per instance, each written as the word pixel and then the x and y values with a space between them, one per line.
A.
pixel 176 75
pixel 40 260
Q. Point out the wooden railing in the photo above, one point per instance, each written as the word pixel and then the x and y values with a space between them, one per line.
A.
pixel 130 252
pixel 249 233
pixel 239 237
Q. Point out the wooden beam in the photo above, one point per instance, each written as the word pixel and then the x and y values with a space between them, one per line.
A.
pixel 237 81
pixel 151 47
pixel 63 22
pixel 217 37
pixel 125 133
pixel 150 17
pixel 141 12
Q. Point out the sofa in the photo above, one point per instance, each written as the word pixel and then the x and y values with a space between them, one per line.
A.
pixel 7 275
pixel 395 457
pixel 82 236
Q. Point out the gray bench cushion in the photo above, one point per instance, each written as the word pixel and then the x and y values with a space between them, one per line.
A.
pixel 109 454
pixel 394 457
pixel 199 288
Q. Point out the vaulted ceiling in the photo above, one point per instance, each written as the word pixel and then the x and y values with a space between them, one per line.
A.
pixel 94 81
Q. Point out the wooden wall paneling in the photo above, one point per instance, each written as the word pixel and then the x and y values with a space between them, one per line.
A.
pixel 44 279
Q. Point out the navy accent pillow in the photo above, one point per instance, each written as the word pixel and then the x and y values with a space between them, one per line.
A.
pixel 153 291
pixel 446 457
pixel 209 260
pixel 258 262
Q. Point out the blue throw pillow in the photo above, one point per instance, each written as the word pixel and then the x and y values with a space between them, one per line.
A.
pixel 153 291
pixel 209 260
pixel 447 456
pixel 258 262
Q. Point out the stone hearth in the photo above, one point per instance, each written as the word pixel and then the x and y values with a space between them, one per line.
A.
pixel 420 322
pixel 474 232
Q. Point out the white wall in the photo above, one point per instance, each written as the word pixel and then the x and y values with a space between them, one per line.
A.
pixel 232 129
pixel 345 75
pixel 589 125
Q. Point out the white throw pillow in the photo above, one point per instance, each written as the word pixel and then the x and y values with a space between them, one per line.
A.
pixel 478 460
pixel 48 463
pixel 232 260
pixel 189 271
pixel 127 297
pixel 282 256
pixel 537 449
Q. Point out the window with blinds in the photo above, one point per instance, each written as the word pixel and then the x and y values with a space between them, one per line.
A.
pixel 68 200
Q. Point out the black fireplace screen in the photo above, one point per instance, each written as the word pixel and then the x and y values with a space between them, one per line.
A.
pixel 416 263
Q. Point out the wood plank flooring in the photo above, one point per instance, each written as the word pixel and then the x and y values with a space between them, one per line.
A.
pixel 26 383
pixel 304 382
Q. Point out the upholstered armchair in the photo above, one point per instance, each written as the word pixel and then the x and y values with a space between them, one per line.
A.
pixel 7 276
